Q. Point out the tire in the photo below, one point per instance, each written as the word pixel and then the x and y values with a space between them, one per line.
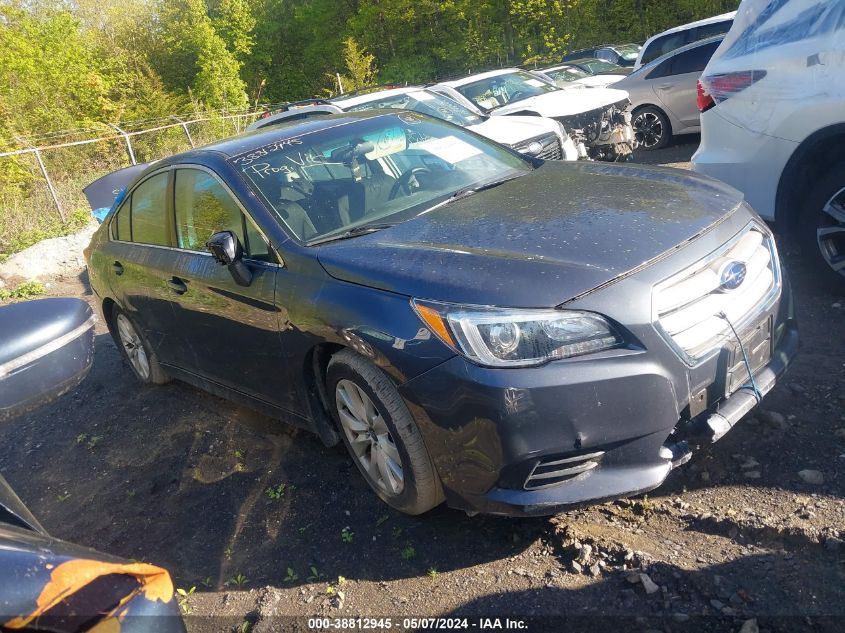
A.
pixel 821 227
pixel 651 128
pixel 378 454
pixel 136 351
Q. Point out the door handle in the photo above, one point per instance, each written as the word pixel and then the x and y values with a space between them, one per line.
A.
pixel 177 285
pixel 666 86
pixel 117 267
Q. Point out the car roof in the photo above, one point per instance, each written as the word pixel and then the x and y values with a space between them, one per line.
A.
pixel 350 102
pixel 479 76
pixel 248 141
pixel 678 51
pixel 683 27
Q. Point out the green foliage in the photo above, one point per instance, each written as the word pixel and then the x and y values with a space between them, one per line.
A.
pixel 22 292
pixel 87 63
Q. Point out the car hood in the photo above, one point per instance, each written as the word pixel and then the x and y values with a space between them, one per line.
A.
pixel 539 240
pixel 562 103
pixel 515 129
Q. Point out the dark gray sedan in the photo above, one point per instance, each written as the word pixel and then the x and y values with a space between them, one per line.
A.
pixel 510 335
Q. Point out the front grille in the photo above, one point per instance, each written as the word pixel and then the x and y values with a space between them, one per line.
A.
pixel 552 471
pixel 549 144
pixel 690 305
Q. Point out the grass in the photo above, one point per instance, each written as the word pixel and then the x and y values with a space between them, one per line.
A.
pixel 22 292
pixel 277 492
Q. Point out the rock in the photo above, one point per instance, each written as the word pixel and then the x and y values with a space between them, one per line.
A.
pixel 595 570
pixel 750 463
pixel 717 604
pixel 749 626
pixel 680 617
pixel 796 388
pixel 836 305
pixel 648 584
pixel 576 567
pixel 585 553
pixel 751 474
pixel 813 477
pixel 833 544
pixel 50 259
pixel 840 433
pixel 704 476
pixel 632 577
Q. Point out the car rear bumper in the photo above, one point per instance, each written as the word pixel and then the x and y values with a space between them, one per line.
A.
pixel 490 432
pixel 749 161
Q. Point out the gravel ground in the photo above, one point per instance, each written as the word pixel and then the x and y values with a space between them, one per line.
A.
pixel 743 538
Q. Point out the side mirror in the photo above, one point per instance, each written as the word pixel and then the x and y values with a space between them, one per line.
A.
pixel 226 249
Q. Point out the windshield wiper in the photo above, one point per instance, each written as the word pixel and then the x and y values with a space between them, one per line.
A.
pixel 467 192
pixel 353 232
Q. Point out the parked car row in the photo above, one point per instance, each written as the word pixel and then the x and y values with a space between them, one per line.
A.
pixel 511 106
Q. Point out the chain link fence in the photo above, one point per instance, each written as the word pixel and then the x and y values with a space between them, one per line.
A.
pixel 42 180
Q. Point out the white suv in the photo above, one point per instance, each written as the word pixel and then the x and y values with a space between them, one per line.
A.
pixel 773 121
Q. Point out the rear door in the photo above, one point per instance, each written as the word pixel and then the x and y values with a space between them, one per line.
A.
pixel 227 333
pixel 676 89
pixel 137 260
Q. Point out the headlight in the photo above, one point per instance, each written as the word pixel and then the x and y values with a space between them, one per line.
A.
pixel 503 337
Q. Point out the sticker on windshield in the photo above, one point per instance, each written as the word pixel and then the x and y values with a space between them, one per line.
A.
pixel 449 148
pixel 535 82
pixel 421 96
pixel 386 142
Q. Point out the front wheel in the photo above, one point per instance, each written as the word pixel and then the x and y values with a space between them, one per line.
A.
pixel 380 434
pixel 822 227
pixel 651 128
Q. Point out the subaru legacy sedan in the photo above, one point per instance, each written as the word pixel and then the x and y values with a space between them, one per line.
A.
pixel 509 335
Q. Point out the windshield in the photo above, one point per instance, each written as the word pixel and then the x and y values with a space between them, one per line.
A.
pixel 596 66
pixel 628 52
pixel 494 92
pixel 371 171
pixel 425 102
pixel 567 73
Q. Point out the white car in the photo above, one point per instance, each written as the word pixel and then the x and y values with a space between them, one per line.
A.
pixel 597 120
pixel 568 77
pixel 535 136
pixel 671 39
pixel 773 121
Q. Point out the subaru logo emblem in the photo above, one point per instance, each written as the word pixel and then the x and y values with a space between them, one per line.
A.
pixel 731 275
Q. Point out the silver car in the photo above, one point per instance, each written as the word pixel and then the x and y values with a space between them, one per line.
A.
pixel 663 94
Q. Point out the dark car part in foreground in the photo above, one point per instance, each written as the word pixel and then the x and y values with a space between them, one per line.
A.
pixel 46 349
pixel 513 336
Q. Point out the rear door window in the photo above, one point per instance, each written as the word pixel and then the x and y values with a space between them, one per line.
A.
pixel 693 60
pixel 149 219
pixel 120 226
pixel 203 207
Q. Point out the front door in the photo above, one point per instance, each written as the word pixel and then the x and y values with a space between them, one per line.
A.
pixel 229 334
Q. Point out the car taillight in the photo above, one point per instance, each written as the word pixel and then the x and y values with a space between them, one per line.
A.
pixel 705 101
pixel 716 88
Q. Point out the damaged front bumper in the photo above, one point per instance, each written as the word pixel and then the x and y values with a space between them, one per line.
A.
pixel 604 133
pixel 536 441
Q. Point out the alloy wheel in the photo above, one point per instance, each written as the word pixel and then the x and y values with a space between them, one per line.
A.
pixel 133 347
pixel 648 129
pixel 831 232
pixel 369 437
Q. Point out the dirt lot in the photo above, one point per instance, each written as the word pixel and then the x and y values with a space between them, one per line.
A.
pixel 176 477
